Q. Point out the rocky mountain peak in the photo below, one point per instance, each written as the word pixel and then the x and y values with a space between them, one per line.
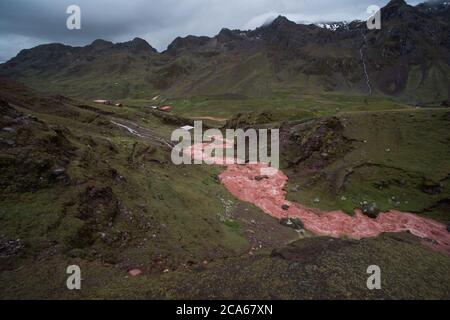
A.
pixel 397 3
pixel 282 21
pixel 395 8
pixel 100 44
pixel 188 42
pixel 138 44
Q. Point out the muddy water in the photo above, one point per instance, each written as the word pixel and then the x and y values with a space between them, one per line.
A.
pixel 269 196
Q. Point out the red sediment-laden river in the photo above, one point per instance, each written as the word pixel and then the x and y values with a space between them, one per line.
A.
pixel 244 182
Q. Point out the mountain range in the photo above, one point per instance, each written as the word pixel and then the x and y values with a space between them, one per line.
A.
pixel 408 58
pixel 93 185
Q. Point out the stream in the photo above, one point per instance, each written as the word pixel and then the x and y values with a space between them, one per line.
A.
pixel 245 183
pixel 363 60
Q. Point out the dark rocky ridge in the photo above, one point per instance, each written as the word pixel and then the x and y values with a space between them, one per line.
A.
pixel 408 58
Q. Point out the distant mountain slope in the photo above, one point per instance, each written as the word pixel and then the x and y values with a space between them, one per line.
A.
pixel 408 58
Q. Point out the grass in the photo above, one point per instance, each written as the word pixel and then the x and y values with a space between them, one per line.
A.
pixel 393 154
pixel 121 209
pixel 287 105
pixel 143 209
pixel 313 268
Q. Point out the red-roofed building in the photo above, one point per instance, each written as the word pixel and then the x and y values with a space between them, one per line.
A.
pixel 165 108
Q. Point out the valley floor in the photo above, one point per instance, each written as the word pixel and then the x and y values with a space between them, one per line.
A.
pixel 94 186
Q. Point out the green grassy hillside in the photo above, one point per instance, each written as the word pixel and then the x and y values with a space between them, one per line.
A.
pixel 397 159
pixel 79 189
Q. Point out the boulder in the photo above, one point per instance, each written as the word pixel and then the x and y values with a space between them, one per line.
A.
pixel 431 187
pixel 294 223
pixel 58 171
pixel 135 272
pixel 259 178
pixel 371 210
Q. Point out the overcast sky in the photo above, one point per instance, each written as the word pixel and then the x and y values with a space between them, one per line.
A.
pixel 27 23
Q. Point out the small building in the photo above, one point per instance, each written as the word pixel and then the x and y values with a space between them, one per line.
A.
pixel 165 108
pixel 106 102
pixel 187 128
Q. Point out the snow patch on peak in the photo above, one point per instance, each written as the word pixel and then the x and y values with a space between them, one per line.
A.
pixel 334 26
